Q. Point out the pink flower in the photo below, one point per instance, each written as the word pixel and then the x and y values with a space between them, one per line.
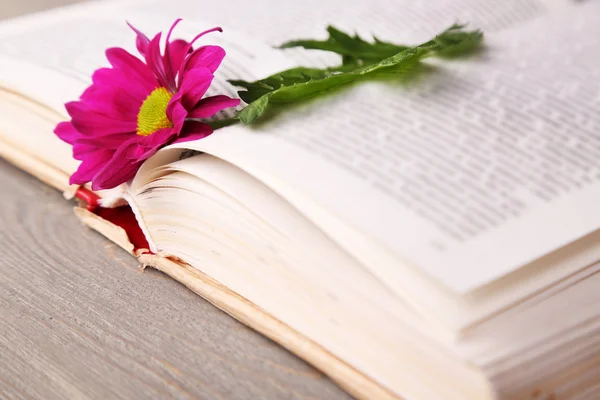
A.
pixel 134 108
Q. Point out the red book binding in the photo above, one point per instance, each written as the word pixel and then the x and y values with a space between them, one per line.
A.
pixel 122 216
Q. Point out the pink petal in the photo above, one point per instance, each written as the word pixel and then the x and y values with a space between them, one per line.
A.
pixel 169 67
pixel 91 90
pixel 106 142
pixel 177 21
pixel 177 50
pixel 87 122
pixel 118 169
pixel 194 130
pixel 118 80
pixel 189 48
pixel 66 132
pixel 131 66
pixel 114 173
pixel 141 41
pixel 156 63
pixel 176 112
pixel 209 106
pixel 148 145
pixel 83 151
pixel 198 36
pixel 113 102
pixel 206 56
pixel 89 167
pixel 176 99
pixel 194 86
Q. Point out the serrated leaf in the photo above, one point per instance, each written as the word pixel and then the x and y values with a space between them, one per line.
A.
pixel 455 42
pixel 301 83
pixel 249 114
pixel 353 49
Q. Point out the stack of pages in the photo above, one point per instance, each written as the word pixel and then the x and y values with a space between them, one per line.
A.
pixel 436 237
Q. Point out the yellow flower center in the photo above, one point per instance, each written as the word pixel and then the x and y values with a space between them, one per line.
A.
pixel 153 112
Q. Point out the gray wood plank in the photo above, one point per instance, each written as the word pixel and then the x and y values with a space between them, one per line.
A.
pixel 78 319
pixel 15 8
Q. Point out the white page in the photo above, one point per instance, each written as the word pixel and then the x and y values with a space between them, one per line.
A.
pixel 482 167
pixel 275 22
pixel 373 209
pixel 398 21
pixel 50 56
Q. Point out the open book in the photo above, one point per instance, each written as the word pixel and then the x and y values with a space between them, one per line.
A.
pixel 432 238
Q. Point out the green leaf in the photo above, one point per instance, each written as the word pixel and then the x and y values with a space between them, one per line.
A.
pixel 249 114
pixel 353 49
pixel 455 42
pixel 362 60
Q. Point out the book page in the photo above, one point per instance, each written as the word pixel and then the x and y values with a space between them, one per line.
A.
pixel 70 43
pixel 471 170
pixel 50 58
pixel 397 21
pixel 55 163
pixel 441 171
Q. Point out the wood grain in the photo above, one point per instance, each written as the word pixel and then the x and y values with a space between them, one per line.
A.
pixel 78 319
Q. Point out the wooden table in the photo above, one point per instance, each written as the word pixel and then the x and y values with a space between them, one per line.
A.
pixel 79 319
